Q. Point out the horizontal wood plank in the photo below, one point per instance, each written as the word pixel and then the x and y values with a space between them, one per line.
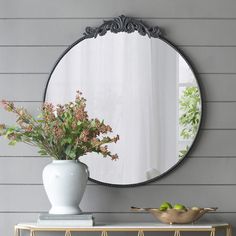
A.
pixel 27 198
pixel 211 59
pixel 193 171
pixel 22 170
pixel 20 149
pixel 27 87
pixel 218 87
pixel 110 8
pixel 27 59
pixel 179 31
pixel 215 143
pixel 219 115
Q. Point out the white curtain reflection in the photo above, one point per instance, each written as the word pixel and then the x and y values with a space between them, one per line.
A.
pixel 132 83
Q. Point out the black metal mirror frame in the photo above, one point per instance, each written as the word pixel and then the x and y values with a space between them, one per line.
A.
pixel 129 25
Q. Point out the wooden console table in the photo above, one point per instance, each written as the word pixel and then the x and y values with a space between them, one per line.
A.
pixel 140 228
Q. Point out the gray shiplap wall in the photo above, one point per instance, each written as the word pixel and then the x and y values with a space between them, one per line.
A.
pixel 32 36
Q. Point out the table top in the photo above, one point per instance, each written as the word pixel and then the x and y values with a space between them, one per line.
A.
pixel 131 226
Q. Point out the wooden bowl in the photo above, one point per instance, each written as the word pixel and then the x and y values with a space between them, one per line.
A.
pixel 173 216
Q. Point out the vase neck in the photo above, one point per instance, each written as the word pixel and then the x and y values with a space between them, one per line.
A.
pixel 64 161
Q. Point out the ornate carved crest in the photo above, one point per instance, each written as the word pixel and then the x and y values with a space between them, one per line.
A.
pixel 123 24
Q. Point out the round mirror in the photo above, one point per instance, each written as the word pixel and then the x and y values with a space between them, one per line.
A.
pixel 140 85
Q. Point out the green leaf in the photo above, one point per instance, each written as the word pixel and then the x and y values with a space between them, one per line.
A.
pixel 68 150
pixel 12 142
pixel 190 108
pixel 42 152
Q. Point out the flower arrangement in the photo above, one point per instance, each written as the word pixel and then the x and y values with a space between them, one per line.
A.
pixel 64 132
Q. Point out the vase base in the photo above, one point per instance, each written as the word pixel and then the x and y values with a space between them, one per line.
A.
pixel 65 210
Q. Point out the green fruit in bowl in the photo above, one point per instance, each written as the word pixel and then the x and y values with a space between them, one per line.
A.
pixel 180 207
pixel 164 206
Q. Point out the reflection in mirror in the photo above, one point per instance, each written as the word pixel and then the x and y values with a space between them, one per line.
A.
pixel 145 90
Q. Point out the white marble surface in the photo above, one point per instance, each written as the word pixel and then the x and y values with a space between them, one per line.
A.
pixel 135 225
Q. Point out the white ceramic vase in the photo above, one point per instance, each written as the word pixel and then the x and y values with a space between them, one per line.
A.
pixel 65 182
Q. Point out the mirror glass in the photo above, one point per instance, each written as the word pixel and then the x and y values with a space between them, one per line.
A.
pixel 145 90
